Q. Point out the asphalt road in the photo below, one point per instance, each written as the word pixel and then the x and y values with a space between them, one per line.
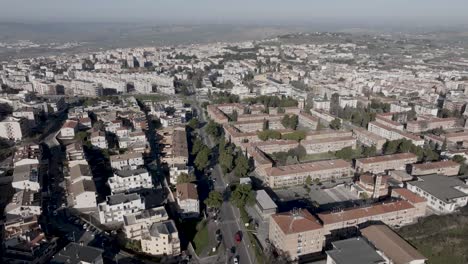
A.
pixel 229 223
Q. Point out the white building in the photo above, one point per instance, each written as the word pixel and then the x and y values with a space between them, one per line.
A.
pixel 26 177
pixel 443 194
pixel 161 239
pixel 82 194
pixel 24 203
pixel 128 160
pixel 130 180
pixel 13 128
pixel 98 139
pixel 118 205
pixel 347 101
pixel 136 224
pixel 187 198
pixel 69 129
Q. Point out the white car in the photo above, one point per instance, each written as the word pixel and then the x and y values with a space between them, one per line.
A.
pixel 236 260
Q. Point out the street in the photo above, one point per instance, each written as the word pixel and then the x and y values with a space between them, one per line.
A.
pixel 229 223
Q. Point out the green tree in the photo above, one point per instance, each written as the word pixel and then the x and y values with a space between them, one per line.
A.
pixel 290 121
pixel 81 136
pixel 347 153
pixel 242 166
pixel 296 135
pixel 213 129
pixel 308 180
pixel 214 200
pixel 243 195
pixel 266 124
pixel 335 124
pixel 197 146
pixel 185 178
pixel 369 151
pixel 202 159
pixel 193 123
pixel 268 134
pixel 226 159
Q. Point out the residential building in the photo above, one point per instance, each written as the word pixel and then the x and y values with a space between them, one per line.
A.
pixel 315 146
pixel 297 174
pixel 98 139
pixel 130 180
pixel 26 177
pixel 118 205
pixel 130 160
pixel 69 129
pixel 264 204
pixel 25 203
pixel 368 138
pixel 187 199
pixel 161 239
pixel 443 194
pixel 136 224
pixel 371 186
pixel 445 167
pixel 296 233
pixel 428 123
pixel 82 195
pixel 381 164
pixel 14 128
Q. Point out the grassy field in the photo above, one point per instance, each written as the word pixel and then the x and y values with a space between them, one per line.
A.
pixel 442 239
pixel 319 156
pixel 201 239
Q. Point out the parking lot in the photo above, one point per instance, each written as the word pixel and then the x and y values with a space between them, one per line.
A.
pixel 325 198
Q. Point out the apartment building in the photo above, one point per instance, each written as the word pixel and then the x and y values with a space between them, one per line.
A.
pixel 26 177
pixel 216 115
pixel 82 195
pixel 426 123
pixel 24 203
pixel 456 137
pixel 272 146
pixel 161 239
pixel 381 164
pixel 177 150
pixel 369 185
pixel 290 175
pixel 128 160
pixel 69 129
pixel 27 154
pixel 187 199
pixel 446 167
pixel 368 138
pixel 98 139
pixel 307 120
pixel 296 233
pixel 392 133
pixel 118 205
pixel 14 128
pixel 443 194
pixel 124 181
pixel 74 151
pixel 393 213
pixel 136 224
pixel 315 146
pixel 76 253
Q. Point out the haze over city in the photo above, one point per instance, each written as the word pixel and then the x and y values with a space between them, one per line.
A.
pixel 234 132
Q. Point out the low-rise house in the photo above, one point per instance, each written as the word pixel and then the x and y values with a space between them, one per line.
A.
pixel 161 239
pixel 187 199
pixel 128 160
pixel 444 194
pixel 116 206
pixel 446 167
pixel 354 251
pixel 130 180
pixel 381 164
pixel 26 177
pixel 391 245
pixel 264 204
pixel 296 233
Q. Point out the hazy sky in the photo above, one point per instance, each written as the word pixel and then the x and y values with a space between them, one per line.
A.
pixel 271 11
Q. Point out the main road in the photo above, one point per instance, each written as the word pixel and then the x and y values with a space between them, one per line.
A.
pixel 229 223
